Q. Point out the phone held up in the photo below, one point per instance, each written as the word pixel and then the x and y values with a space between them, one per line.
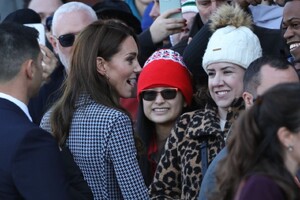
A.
pixel 41 29
pixel 165 5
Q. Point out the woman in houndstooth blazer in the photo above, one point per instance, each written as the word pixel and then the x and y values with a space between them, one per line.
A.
pixel 89 119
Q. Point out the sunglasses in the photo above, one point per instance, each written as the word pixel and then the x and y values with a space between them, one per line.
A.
pixel 66 40
pixel 167 94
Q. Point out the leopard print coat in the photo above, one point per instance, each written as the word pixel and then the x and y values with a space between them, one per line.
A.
pixel 179 174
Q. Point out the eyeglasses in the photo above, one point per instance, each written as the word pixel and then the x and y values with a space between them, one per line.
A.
pixel 66 40
pixel 150 95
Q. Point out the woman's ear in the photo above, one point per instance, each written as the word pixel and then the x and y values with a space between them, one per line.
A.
pixel 285 137
pixel 101 66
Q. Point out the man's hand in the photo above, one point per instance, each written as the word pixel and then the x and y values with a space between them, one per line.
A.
pixel 49 62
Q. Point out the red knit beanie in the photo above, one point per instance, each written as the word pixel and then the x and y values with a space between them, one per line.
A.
pixel 166 68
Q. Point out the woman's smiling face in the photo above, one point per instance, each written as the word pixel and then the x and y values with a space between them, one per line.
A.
pixel 122 70
pixel 162 110
pixel 225 83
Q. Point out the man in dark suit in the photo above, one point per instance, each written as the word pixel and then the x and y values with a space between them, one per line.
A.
pixel 30 162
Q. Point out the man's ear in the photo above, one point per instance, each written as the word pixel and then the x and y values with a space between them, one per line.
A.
pixel 54 42
pixel 29 68
pixel 285 137
pixel 101 66
pixel 248 99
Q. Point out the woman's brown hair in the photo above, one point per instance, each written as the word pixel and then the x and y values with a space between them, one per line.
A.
pixel 99 39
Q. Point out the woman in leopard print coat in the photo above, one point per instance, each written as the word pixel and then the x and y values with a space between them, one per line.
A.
pixel 179 172
pixel 199 135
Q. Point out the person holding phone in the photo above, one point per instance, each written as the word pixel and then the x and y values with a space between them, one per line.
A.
pixel 162 27
pixel 165 5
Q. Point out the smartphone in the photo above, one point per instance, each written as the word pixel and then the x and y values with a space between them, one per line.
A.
pixel 165 5
pixel 41 29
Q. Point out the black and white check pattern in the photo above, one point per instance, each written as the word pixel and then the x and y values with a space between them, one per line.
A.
pixel 101 141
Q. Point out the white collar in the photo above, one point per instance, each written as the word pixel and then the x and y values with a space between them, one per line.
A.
pixel 19 103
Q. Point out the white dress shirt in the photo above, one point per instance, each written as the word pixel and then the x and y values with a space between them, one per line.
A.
pixel 19 103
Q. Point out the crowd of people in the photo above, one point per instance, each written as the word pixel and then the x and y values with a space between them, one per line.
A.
pixel 126 102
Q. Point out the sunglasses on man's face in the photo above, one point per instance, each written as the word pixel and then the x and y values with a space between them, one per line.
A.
pixel 167 94
pixel 66 40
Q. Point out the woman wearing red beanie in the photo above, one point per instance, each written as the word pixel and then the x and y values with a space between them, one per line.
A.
pixel 164 92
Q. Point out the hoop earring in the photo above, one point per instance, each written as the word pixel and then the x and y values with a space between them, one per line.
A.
pixel 290 148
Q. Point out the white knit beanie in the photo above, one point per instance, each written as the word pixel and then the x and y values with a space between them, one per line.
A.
pixel 189 6
pixel 233 43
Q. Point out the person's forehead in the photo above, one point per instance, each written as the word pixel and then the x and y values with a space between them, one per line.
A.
pixel 271 76
pixel 268 71
pixel 44 6
pixel 72 22
pixel 292 6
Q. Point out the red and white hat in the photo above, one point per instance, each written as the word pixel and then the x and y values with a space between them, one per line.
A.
pixel 165 67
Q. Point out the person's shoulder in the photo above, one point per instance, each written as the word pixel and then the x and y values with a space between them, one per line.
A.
pixel 32 137
pixel 15 120
pixel 260 186
pixel 45 121
pixel 259 179
pixel 109 110
pixel 35 131
pixel 192 115
pixel 188 123
pixel 22 131
pixel 111 114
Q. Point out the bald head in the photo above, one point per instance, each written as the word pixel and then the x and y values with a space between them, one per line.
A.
pixel 70 18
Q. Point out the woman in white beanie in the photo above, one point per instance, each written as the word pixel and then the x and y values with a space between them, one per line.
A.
pixel 199 135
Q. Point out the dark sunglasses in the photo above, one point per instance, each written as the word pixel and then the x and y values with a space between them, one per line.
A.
pixel 66 40
pixel 150 95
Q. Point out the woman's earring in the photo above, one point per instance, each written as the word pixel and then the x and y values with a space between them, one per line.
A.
pixel 290 148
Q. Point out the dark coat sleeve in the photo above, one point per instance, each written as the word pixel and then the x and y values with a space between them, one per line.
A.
pixel 79 188
pixel 195 50
pixel 146 46
pixel 260 188
pixel 37 169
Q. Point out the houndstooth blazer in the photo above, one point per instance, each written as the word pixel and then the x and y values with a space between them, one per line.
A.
pixel 101 141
